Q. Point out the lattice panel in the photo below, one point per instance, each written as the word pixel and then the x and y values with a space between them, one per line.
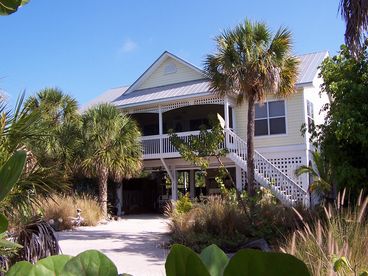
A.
pixel 288 165
pixel 214 100
pixel 174 106
pixel 144 110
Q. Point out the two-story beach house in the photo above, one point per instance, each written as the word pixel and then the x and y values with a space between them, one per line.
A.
pixel 174 94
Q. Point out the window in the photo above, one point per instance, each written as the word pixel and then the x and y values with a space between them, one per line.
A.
pixel 270 118
pixel 310 115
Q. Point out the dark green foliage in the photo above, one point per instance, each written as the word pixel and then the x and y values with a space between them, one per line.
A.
pixel 246 262
pixel 344 136
pixel 90 262
pixel 253 262
pixel 10 172
pixel 184 262
pixel 214 259
pixel 181 261
pixel 10 6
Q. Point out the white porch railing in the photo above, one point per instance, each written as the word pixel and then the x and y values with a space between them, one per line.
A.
pixel 160 145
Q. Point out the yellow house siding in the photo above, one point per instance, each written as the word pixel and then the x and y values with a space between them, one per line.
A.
pixel 159 77
pixel 294 119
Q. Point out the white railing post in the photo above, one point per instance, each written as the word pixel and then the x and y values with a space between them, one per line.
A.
pixel 160 127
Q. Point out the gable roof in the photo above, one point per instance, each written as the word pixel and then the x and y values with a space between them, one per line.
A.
pixel 156 64
pixel 122 96
pixel 308 67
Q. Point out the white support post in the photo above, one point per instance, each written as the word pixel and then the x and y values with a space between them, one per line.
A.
pixel 174 186
pixel 119 201
pixel 226 112
pixel 160 127
pixel 238 180
pixel 192 183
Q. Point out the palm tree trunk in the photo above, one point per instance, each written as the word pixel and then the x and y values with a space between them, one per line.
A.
pixel 250 146
pixel 102 190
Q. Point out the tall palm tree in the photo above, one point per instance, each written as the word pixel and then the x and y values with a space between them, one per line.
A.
pixel 355 14
pixel 250 62
pixel 111 147
pixel 59 115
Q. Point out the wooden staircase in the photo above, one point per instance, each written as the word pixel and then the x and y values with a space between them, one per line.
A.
pixel 266 174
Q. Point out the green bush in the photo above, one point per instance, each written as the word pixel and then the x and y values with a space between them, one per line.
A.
pixel 183 205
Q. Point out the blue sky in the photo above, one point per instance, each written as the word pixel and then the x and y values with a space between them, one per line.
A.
pixel 86 47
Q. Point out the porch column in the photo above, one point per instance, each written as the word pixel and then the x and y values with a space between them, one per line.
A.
pixel 160 126
pixel 226 112
pixel 174 185
pixel 119 199
pixel 238 180
pixel 192 184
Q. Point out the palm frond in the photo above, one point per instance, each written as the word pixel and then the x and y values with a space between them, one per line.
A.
pixel 355 14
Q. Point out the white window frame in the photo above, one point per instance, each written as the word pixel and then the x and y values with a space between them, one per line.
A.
pixel 274 117
pixel 309 117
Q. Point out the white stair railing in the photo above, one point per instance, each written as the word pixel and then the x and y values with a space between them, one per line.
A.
pixel 266 174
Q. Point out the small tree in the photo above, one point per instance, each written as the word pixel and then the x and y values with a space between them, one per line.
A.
pixel 111 147
pixel 344 137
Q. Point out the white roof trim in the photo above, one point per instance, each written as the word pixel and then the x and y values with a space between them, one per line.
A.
pixel 156 64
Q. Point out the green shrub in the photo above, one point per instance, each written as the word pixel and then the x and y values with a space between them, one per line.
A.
pixel 183 205
pixel 63 208
pixel 224 223
pixel 341 232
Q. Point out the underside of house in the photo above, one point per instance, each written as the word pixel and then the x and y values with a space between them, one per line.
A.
pixel 175 95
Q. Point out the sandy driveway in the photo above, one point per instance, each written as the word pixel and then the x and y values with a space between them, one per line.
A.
pixel 132 243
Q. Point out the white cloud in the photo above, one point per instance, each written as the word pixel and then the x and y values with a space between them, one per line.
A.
pixel 128 46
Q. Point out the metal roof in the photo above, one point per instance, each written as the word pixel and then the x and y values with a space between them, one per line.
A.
pixel 166 92
pixel 308 69
pixel 308 66
pixel 107 97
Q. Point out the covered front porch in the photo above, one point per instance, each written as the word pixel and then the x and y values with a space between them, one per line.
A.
pixel 183 118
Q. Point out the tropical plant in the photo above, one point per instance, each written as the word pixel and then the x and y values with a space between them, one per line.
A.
pixel 251 62
pixel 10 6
pixel 90 262
pixel 355 14
pixel 60 118
pixel 341 233
pixel 9 175
pixel 213 262
pixel 321 173
pixel 111 147
pixel 17 132
pixel 180 261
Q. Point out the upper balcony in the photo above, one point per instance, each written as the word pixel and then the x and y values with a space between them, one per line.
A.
pixel 187 120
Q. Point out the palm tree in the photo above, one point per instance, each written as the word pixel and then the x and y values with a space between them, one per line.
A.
pixel 321 173
pixel 111 147
pixel 355 14
pixel 251 62
pixel 59 115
